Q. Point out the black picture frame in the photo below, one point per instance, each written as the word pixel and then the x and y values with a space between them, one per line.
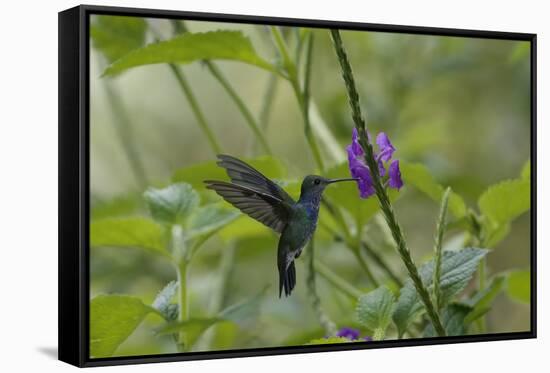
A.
pixel 74 183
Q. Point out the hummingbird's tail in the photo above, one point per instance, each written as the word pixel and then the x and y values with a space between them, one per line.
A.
pixel 287 279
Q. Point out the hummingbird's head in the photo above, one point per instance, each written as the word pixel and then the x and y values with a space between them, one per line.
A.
pixel 315 184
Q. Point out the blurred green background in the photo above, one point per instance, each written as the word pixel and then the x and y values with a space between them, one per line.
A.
pixel 460 106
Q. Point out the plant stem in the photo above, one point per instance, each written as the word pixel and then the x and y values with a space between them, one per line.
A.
pixel 338 217
pixel 196 109
pixel 336 214
pixel 224 271
pixel 305 105
pixel 364 265
pixel 267 100
pixel 301 96
pixel 381 192
pixel 179 27
pixel 378 334
pixel 440 231
pixel 479 236
pixel 123 130
pixel 324 320
pixel 190 96
pixel 290 67
pixel 181 261
pixel 240 104
pixel 482 278
pixel 381 263
pixel 337 281
pixel 182 267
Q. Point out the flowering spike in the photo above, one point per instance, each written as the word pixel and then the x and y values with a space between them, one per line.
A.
pixel 361 171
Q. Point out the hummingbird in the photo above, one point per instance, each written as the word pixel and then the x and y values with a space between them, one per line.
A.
pixel 265 201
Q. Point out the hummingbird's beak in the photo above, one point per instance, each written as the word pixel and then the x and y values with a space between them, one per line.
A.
pixel 338 180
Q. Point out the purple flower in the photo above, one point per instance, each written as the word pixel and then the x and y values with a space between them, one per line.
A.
pixel 395 180
pixel 359 169
pixel 385 146
pixel 348 333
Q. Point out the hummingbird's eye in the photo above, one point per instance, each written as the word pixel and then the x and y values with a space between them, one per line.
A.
pixel 317 181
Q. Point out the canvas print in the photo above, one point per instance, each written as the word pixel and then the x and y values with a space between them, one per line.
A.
pixel 257 186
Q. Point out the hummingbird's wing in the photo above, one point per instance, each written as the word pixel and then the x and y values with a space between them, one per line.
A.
pixel 253 193
pixel 243 174
pixel 265 208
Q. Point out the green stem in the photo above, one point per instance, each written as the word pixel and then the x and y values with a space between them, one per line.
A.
pixel 381 263
pixel 378 334
pixel 224 271
pixel 267 100
pixel 337 281
pixel 482 267
pixel 179 27
pixel 364 265
pixel 183 302
pixel 482 280
pixel 190 96
pixel 440 231
pixel 303 97
pixel 381 192
pixel 181 260
pixel 126 137
pixel 480 239
pixel 240 104
pixel 196 109
pixel 337 215
pixel 283 50
pixel 304 105
pixel 324 320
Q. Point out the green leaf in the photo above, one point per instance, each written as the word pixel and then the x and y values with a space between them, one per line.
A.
pixel 407 308
pixel 208 219
pixel 457 268
pixel 113 318
pixel 191 47
pixel 327 341
pixel 503 202
pixel 375 309
pixel 193 328
pixel 526 170
pixel 519 286
pixel 196 174
pixel 496 234
pixel 419 176
pixel 172 204
pixel 481 301
pixel 453 319
pixel 163 301
pixel 136 232
pixel 115 36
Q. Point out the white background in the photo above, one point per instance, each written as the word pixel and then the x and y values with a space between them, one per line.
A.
pixel 28 186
